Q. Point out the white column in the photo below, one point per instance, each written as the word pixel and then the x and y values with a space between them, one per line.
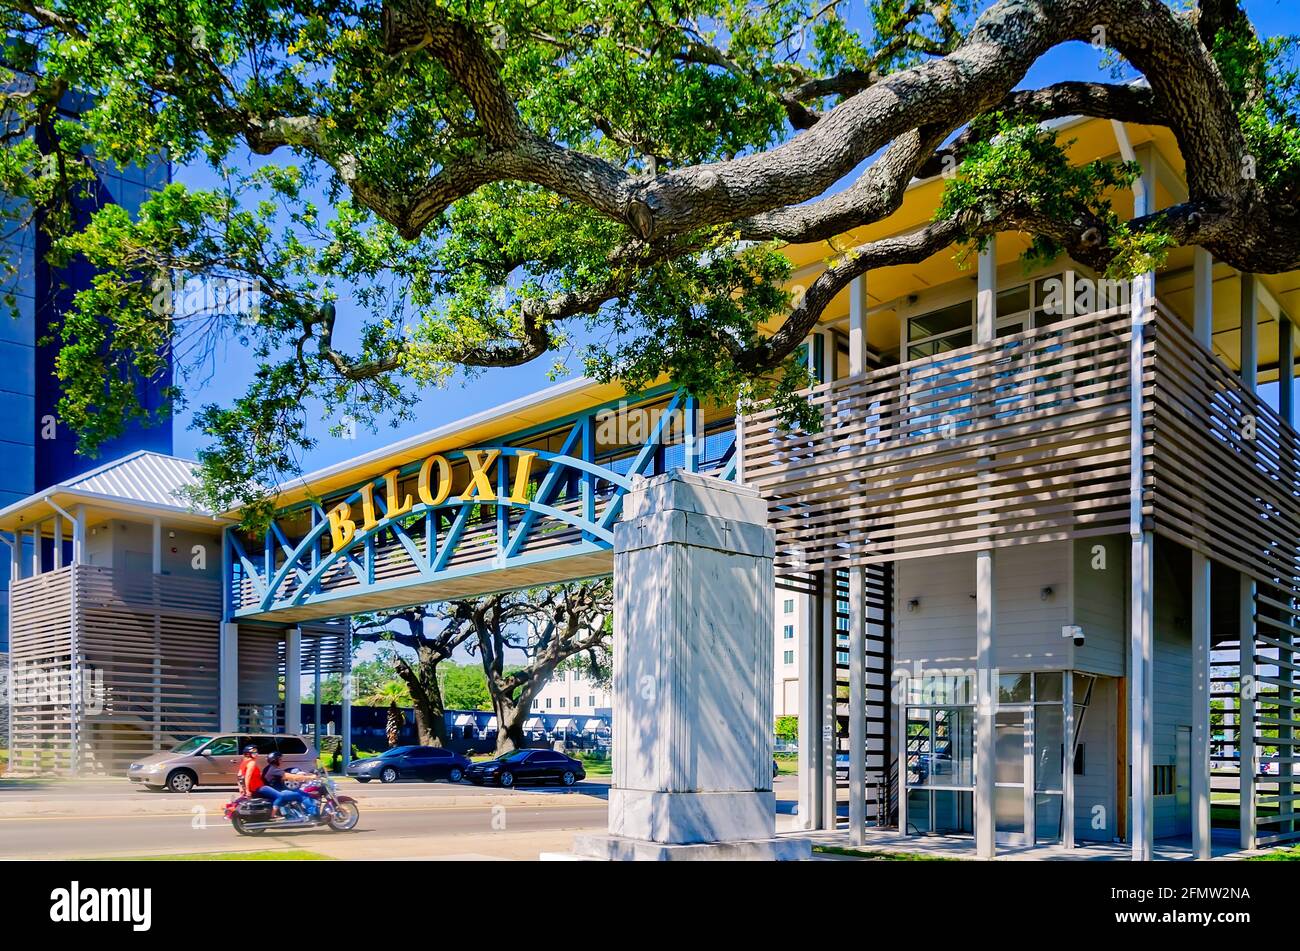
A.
pixel 157 546
pixel 229 677
pixel 1067 763
pixel 1246 712
pixel 1200 778
pixel 1203 297
pixel 1286 368
pixel 986 292
pixel 858 325
pixel 986 704
pixel 857 708
pixel 79 535
pixel 58 542
pixel 810 708
pixel 1141 709
pixel 829 723
pixel 1249 332
pixel 293 680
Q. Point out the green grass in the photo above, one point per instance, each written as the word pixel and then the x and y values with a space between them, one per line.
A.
pixel 1278 855
pixel 596 765
pixel 787 764
pixel 879 856
pixel 271 855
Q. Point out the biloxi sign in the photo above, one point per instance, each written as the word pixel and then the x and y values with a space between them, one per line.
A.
pixel 433 489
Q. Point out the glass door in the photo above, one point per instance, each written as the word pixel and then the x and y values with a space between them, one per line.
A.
pixel 1013 731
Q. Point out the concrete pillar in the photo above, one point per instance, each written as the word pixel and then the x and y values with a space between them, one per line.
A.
pixel 1203 297
pixel 810 716
pixel 1200 778
pixel 293 680
pixel 229 677
pixel 858 325
pixel 986 292
pixel 857 708
pixel 1141 707
pixel 58 542
pixel 1246 712
pixel 1249 332
pixel 986 705
pixel 693 605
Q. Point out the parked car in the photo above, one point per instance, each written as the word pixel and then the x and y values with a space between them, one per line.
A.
pixel 775 768
pixel 410 762
pixel 213 760
pixel 527 766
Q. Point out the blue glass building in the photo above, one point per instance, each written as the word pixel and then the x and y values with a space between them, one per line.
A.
pixel 36 450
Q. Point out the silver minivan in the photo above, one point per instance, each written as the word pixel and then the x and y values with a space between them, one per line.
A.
pixel 213 760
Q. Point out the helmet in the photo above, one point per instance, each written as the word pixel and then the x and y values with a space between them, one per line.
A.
pixel 272 758
pixel 250 750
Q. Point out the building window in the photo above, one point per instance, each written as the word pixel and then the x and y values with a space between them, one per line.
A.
pixel 548 703
pixel 939 331
pixel 559 675
pixel 789 605
pixel 561 701
pixel 788 658
pixel 591 701
pixel 788 632
pixel 1165 780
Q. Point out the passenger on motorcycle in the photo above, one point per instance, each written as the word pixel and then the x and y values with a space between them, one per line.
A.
pixel 274 778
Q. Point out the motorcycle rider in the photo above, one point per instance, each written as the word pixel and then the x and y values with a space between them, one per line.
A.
pixel 274 778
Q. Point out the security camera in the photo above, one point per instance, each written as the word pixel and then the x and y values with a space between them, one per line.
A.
pixel 1074 632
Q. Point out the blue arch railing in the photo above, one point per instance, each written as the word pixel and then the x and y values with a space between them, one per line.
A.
pixel 569 509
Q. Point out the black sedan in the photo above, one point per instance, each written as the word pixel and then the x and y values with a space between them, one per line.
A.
pixel 527 766
pixel 410 762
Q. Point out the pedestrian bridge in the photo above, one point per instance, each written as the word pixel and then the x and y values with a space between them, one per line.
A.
pixel 472 509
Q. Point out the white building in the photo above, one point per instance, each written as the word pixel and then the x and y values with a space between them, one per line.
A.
pixel 572 693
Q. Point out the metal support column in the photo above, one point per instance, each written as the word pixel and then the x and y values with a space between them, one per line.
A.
pixel 830 743
pixel 1246 712
pixel 229 677
pixel 857 708
pixel 293 680
pixel 1200 778
pixel 986 704
pixel 810 706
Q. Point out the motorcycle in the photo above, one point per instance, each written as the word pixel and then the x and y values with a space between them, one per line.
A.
pixel 251 815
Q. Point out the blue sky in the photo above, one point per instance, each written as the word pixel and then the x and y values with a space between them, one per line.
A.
pixel 1073 61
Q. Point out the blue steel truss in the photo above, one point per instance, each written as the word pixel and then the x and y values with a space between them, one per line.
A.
pixel 571 509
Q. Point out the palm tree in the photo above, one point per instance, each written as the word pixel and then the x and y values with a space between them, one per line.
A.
pixel 393 728
pixel 392 693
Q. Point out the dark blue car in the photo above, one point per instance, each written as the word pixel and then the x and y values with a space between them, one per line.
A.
pixel 410 762
pixel 527 766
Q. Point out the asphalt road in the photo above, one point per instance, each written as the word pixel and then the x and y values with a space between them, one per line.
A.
pixel 424 821
pixel 430 831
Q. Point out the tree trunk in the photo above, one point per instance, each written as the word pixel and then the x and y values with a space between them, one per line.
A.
pixel 510 724
pixel 426 697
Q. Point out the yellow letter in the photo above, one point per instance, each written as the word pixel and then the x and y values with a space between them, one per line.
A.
pixel 444 481
pixel 368 507
pixel 480 485
pixel 342 528
pixel 390 496
pixel 522 473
